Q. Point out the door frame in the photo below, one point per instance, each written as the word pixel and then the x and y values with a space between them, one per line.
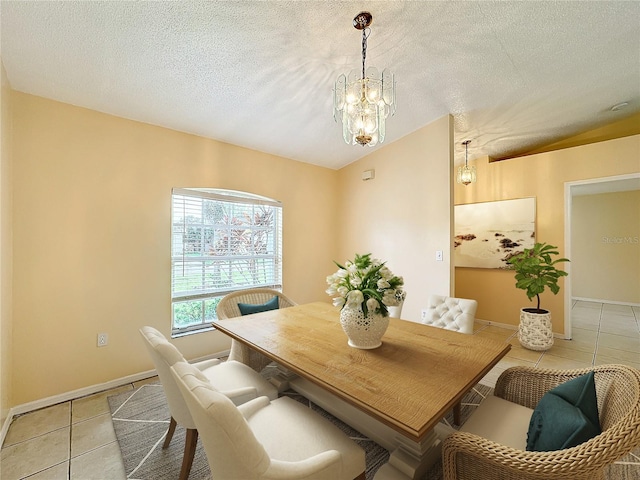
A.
pixel 569 191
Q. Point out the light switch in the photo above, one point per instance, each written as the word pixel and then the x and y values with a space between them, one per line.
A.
pixel 439 256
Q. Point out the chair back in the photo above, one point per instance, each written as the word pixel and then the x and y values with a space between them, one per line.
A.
pixel 396 312
pixel 228 305
pixel 457 314
pixel 164 355
pixel 231 447
pixel 618 392
pixel 228 308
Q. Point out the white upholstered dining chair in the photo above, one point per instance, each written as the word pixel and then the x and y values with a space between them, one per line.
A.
pixel 396 312
pixel 250 301
pixel 235 380
pixel 450 313
pixel 263 439
pixel 455 314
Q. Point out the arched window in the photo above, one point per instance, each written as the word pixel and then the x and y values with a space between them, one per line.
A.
pixel 221 241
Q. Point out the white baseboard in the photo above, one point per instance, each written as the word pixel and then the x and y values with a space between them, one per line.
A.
pixel 508 326
pixel 67 396
pixel 599 300
pixel 5 427
pixel 82 392
pixel 79 393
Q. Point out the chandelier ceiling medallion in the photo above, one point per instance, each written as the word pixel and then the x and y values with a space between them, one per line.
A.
pixel 363 100
pixel 466 174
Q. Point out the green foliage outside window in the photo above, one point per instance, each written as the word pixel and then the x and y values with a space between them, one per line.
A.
pixel 190 313
pixel 221 242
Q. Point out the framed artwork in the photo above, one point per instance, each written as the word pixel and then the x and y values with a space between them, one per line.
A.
pixel 487 234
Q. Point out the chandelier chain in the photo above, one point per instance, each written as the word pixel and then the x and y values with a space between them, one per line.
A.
pixel 466 152
pixel 365 36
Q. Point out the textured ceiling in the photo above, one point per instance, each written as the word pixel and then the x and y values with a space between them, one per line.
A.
pixel 514 74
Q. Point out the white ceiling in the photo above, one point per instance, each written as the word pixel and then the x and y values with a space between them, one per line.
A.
pixel 514 74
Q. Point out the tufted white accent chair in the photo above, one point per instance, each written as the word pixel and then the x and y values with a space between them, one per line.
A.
pixel 234 379
pixel 263 439
pixel 450 313
pixel 395 312
pixel 457 314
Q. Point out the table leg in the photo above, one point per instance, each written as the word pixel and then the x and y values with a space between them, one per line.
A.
pixel 408 459
pixel 281 379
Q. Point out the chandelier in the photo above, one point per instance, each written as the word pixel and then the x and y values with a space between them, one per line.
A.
pixel 466 174
pixel 363 100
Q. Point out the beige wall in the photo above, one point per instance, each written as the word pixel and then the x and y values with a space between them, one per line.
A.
pixel 91 211
pixel 541 176
pixel 605 247
pixel 404 214
pixel 91 230
pixel 6 253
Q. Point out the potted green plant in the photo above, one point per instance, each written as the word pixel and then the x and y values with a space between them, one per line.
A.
pixel 536 271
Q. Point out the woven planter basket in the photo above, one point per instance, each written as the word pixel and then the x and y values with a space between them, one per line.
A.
pixel 535 331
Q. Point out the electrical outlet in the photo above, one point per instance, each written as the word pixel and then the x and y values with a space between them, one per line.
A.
pixel 423 315
pixel 103 339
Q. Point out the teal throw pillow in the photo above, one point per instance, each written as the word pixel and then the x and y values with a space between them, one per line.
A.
pixel 248 308
pixel 565 416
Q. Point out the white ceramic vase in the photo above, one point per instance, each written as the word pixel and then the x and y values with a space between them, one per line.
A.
pixel 364 332
pixel 535 331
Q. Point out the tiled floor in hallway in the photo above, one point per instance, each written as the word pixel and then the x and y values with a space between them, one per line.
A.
pixel 75 440
pixel 601 333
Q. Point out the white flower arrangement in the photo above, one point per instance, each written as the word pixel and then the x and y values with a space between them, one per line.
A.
pixel 366 283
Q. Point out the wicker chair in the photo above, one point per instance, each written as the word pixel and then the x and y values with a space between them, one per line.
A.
pixel 467 456
pixel 228 308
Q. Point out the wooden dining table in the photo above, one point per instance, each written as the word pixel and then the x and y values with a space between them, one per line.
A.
pixel 396 394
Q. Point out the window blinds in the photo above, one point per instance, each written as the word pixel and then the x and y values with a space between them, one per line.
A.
pixel 224 241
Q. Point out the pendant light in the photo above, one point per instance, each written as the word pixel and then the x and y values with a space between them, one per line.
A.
pixel 364 101
pixel 466 174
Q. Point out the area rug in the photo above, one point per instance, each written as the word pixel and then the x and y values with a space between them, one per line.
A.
pixel 141 418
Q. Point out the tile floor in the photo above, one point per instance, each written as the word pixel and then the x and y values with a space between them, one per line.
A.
pixel 602 333
pixel 75 440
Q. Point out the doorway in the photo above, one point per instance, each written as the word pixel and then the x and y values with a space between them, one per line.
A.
pixel 594 186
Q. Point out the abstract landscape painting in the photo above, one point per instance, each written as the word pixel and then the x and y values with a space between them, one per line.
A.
pixel 487 234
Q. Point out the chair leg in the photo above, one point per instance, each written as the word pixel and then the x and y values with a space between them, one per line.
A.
pixel 457 412
pixel 189 451
pixel 172 428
